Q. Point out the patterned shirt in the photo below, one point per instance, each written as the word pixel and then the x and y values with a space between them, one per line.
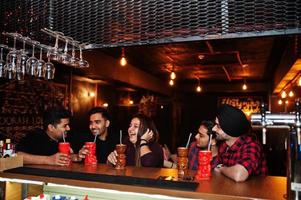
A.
pixel 193 156
pixel 245 151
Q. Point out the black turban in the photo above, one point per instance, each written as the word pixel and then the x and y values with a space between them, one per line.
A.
pixel 232 121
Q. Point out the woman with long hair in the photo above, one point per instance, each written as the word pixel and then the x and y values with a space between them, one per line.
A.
pixel 143 149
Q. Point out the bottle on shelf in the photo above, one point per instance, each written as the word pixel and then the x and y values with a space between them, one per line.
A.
pixel 7 151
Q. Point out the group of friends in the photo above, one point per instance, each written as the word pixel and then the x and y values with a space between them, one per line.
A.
pixel 236 152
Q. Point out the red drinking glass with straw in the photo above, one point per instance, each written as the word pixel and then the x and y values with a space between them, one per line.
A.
pixel 204 168
pixel 90 158
pixel 64 147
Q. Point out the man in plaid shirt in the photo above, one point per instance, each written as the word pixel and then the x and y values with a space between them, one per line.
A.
pixel 240 155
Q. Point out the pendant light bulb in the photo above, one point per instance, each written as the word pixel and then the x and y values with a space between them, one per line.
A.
pixel 244 86
pixel 171 82
pixel 283 94
pixel 123 61
pixel 198 88
pixel 280 102
pixel 173 75
pixel 291 94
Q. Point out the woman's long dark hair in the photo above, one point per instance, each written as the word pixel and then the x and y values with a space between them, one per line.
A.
pixel 146 123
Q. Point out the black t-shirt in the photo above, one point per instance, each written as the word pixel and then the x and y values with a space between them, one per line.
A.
pixel 38 142
pixel 104 148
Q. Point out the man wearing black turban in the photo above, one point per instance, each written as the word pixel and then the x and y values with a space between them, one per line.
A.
pixel 240 154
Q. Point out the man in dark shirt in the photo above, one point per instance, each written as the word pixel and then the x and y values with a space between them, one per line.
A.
pixel 41 145
pixel 105 141
pixel 240 155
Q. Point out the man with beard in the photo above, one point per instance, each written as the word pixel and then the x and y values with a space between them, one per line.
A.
pixel 240 155
pixel 105 142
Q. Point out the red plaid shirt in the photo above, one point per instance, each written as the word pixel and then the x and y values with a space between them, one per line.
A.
pixel 245 151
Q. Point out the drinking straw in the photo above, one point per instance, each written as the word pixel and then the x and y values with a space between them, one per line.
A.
pixel 188 140
pixel 120 138
pixel 96 134
pixel 64 137
pixel 209 143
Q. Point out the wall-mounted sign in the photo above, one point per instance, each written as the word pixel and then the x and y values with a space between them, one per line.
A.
pixel 248 104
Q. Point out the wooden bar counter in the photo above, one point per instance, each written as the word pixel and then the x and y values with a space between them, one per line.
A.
pixel 218 187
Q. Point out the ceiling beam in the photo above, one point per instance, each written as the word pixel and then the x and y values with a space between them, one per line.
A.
pixel 227 73
pixel 108 68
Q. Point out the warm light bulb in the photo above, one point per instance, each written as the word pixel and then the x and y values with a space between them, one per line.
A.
pixel 201 56
pixel 92 94
pixel 161 106
pixel 131 102
pixel 198 88
pixel 291 94
pixel 171 82
pixel 123 61
pixel 244 86
pixel 280 102
pixel 283 94
pixel 286 102
pixel 172 75
pixel 105 105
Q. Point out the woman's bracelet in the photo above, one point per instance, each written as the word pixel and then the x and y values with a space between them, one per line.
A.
pixel 144 140
pixel 143 144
